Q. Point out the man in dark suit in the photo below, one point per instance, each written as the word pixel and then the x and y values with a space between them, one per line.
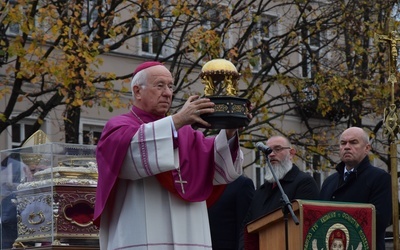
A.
pixel 226 214
pixel 364 184
pixel 295 183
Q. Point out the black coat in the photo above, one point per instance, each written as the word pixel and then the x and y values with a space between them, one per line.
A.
pixel 296 185
pixel 368 184
pixel 227 213
pixel 8 229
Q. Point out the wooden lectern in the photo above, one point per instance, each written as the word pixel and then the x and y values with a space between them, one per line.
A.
pixel 321 224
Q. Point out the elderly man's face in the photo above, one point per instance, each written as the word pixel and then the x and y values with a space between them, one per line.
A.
pixel 156 96
pixel 353 147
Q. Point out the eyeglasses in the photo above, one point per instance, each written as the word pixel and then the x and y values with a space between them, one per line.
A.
pixel 278 149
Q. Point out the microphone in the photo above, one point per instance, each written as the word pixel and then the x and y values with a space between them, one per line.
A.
pixel 263 148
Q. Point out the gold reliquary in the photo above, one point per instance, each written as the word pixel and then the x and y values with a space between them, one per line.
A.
pixel 220 78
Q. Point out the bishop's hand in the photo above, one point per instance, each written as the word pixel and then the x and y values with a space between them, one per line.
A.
pixel 191 111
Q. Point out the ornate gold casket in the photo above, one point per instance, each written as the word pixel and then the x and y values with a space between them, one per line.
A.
pixel 220 78
pixel 53 190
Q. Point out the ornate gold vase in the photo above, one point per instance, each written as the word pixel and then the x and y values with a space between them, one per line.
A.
pixel 220 78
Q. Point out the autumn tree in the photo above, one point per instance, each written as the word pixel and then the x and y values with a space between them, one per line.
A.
pixel 309 62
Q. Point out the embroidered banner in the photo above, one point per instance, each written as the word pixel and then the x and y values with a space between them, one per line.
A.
pixel 328 225
pixel 322 226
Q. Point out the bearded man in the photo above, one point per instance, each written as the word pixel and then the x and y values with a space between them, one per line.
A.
pixel 267 198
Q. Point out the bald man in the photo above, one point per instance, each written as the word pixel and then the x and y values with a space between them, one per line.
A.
pixel 356 180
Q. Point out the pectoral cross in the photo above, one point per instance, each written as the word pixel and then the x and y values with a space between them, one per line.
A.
pixel 180 181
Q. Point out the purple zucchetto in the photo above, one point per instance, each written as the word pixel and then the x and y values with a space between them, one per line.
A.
pixel 146 65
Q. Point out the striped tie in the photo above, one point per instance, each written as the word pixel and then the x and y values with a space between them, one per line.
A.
pixel 346 175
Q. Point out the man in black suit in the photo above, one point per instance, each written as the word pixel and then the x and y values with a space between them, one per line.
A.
pixel 226 214
pixel 295 183
pixel 364 184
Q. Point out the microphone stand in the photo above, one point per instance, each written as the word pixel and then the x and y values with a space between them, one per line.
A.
pixel 287 207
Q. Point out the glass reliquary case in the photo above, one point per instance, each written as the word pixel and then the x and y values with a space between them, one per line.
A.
pixel 48 195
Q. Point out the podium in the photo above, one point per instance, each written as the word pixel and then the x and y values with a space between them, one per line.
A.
pixel 322 225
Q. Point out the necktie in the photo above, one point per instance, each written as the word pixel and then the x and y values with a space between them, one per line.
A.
pixel 346 175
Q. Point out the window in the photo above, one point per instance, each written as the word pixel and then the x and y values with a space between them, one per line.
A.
pixel 311 53
pixel 310 92
pixel 90 14
pixel 20 131
pixel 151 36
pixel 260 169
pixel 263 30
pixel 211 15
pixel 260 173
pixel 153 27
pixel 91 11
pixel 91 137
pixel 313 162
pixel 13 28
pixel 91 132
pixel 313 166
pixel 43 16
